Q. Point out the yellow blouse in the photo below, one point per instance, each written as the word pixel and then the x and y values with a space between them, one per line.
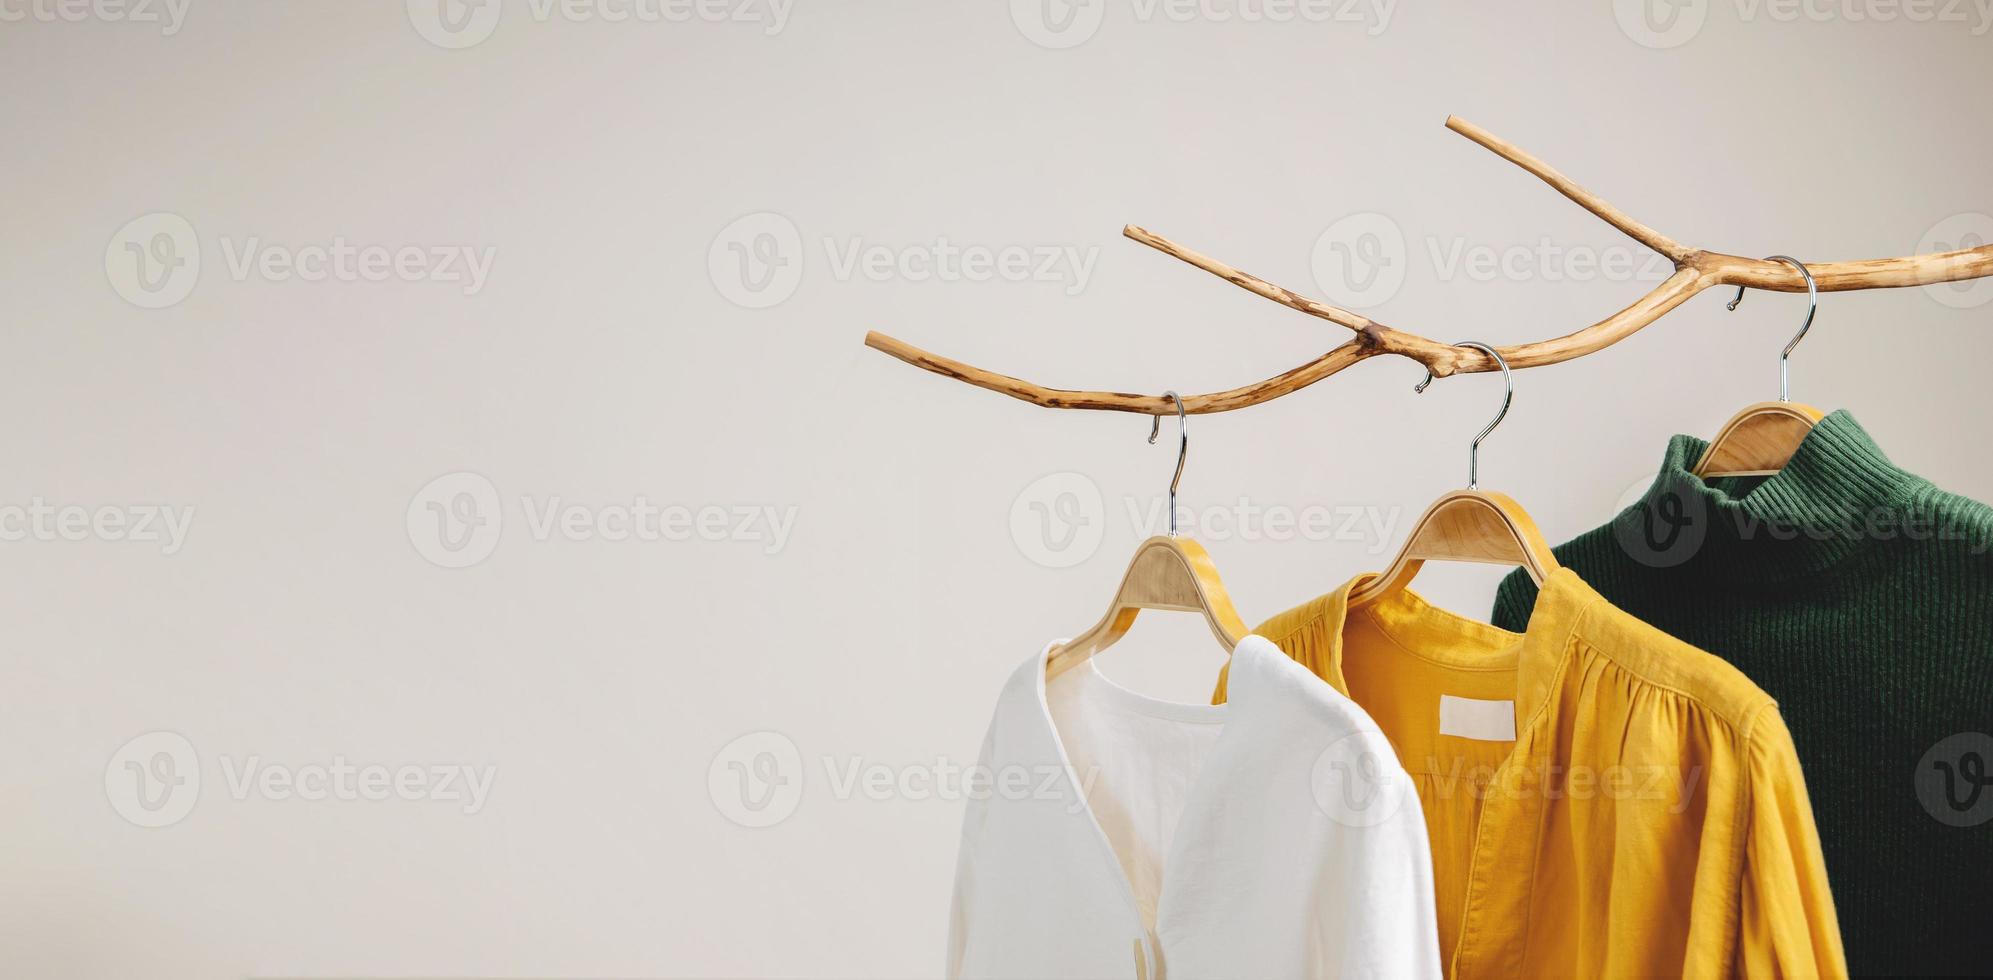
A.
pixel 1647 816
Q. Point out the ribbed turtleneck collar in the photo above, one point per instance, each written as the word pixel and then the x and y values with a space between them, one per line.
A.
pixel 1837 494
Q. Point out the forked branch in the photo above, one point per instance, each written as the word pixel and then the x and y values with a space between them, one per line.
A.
pixel 1695 271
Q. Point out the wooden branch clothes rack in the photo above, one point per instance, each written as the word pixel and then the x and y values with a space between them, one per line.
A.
pixel 1695 270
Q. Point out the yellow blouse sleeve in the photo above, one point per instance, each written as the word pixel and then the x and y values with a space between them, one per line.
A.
pixel 1788 927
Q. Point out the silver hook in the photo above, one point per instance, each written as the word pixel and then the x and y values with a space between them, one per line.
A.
pixel 1813 306
pixel 1508 395
pixel 1182 448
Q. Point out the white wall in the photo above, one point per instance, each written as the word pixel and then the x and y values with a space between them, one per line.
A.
pixel 298 622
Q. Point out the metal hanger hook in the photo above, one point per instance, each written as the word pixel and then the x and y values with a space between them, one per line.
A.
pixel 1182 448
pixel 1508 395
pixel 1812 307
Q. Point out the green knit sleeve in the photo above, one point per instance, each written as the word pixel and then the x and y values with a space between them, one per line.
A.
pixel 1514 598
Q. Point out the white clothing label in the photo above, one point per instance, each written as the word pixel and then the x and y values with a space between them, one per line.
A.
pixel 1487 721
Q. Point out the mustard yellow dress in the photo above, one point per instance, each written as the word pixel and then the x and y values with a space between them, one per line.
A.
pixel 1643 812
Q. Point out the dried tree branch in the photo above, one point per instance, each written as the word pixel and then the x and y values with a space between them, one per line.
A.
pixel 1114 401
pixel 1695 271
pixel 1569 188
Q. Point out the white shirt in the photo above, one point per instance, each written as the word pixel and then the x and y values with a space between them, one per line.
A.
pixel 1111 834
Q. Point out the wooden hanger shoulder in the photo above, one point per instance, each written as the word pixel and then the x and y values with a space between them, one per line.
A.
pixel 1466 525
pixel 1759 440
pixel 1174 574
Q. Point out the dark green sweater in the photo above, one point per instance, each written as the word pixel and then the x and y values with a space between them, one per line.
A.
pixel 1861 598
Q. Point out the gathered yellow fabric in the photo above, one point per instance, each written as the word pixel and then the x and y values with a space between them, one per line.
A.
pixel 1643 814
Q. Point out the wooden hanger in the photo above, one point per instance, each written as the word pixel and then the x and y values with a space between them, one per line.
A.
pixel 1168 572
pixel 1761 439
pixel 1467 525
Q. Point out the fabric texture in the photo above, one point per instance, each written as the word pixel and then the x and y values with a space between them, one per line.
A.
pixel 1861 597
pixel 1647 819
pixel 1121 836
